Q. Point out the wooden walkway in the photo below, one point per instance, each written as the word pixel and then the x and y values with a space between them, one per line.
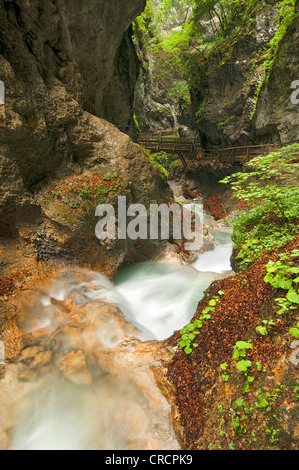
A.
pixel 191 148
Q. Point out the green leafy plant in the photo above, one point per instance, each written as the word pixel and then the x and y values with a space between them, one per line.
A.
pixel 77 197
pixel 180 93
pixel 239 352
pixel 240 348
pixel 263 329
pixel 272 213
pixel 191 331
pixel 283 274
pixel 243 365
pixel 160 168
pixel 224 376
pixel 295 331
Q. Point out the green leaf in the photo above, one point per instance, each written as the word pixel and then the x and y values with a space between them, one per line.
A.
pixel 238 403
pixel 188 350
pixel 293 297
pixel 246 388
pixel 294 270
pixel 206 316
pixel 262 330
pixel 208 309
pixel 243 345
pixel 243 365
pixel 294 332
pixel 262 402
pixel 236 354
pixel 225 377
pixel 190 327
pixel 285 284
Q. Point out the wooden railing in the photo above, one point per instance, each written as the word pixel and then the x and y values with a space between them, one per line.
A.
pixel 192 149
pixel 174 145
pixel 235 154
pixel 165 133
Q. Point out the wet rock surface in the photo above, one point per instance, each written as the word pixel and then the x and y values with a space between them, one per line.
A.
pixel 90 346
pixel 213 403
pixel 53 127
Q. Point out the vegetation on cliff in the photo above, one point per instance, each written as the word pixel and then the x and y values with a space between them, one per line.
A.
pixel 269 186
pixel 76 198
pixel 195 50
pixel 234 372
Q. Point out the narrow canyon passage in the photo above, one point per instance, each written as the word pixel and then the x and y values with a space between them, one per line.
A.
pixel 87 381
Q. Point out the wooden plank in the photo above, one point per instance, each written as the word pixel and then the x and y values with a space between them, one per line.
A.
pixel 193 147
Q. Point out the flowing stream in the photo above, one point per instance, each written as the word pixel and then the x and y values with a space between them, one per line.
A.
pixel 115 404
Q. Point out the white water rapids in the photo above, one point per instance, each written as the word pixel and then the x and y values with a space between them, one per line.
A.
pixel 116 410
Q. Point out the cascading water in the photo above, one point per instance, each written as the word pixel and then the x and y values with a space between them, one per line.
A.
pixel 218 260
pixel 115 410
pixel 159 298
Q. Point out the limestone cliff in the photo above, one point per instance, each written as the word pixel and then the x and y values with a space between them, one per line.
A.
pixel 276 114
pixel 239 95
pixel 66 65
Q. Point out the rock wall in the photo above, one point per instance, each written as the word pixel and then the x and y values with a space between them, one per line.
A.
pixel 158 104
pixel 276 114
pixel 225 109
pixel 66 65
pixel 56 60
pixel 152 107
pixel 84 46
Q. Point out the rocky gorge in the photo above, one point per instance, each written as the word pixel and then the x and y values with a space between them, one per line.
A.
pixel 90 330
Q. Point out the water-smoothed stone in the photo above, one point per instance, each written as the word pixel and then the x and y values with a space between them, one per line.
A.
pixel 4 441
pixel 42 359
pixel 28 354
pixel 28 375
pixel 73 365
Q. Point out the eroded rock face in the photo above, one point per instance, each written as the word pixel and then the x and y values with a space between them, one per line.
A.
pixel 73 366
pixel 276 113
pixel 65 66
pixel 89 370
pixel 80 44
pixel 231 112
pixel 57 61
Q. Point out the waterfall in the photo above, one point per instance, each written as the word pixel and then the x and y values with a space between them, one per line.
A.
pixel 121 407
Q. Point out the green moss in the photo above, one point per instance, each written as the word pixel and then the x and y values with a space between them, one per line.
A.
pixel 74 200
pixel 286 15
pixel 160 168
